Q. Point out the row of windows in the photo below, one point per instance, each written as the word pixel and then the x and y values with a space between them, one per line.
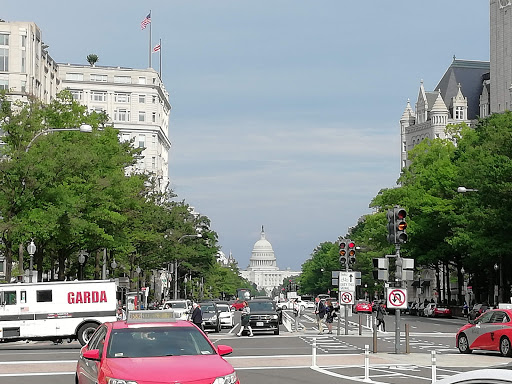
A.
pixel 119 97
pixel 42 296
pixel 102 78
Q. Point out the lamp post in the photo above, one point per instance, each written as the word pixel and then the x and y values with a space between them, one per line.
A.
pixel 83 128
pixel 113 264
pixel 31 250
pixel 81 260
pixel 138 270
pixel 496 284
pixel 464 190
pixel 176 264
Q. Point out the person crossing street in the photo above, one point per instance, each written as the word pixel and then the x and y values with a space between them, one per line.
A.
pixel 244 323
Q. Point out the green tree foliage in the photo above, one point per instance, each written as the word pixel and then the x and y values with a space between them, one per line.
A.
pixel 316 271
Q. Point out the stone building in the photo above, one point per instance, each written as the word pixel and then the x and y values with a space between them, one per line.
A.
pixel 263 270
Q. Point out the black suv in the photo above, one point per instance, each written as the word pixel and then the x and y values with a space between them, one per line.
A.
pixel 210 314
pixel 264 316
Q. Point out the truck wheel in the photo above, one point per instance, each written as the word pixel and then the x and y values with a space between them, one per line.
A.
pixel 85 332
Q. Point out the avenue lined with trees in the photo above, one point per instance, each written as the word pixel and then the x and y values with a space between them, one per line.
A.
pixel 463 237
pixel 72 191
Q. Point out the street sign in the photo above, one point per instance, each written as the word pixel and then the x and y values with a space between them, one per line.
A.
pixel 397 298
pixel 347 281
pixel 334 281
pixel 346 298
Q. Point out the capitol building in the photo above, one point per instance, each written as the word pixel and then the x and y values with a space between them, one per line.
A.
pixel 263 270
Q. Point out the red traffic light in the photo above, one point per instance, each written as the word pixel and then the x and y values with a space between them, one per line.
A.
pixel 401 214
pixel 351 244
pixel 342 244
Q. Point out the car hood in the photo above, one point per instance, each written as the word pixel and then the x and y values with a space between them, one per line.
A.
pixel 170 369
pixel 467 326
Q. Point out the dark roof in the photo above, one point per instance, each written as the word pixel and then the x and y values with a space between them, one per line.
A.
pixel 469 74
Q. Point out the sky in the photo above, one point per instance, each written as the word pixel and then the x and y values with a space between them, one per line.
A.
pixel 284 113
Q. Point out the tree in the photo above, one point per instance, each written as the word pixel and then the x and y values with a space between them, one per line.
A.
pixel 92 59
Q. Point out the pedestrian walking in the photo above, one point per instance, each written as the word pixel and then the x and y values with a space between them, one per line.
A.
pixel 380 318
pixel 244 322
pixel 319 314
pixel 197 316
pixel 330 315
pixel 121 314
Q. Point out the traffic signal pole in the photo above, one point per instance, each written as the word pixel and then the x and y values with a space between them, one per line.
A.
pixel 399 285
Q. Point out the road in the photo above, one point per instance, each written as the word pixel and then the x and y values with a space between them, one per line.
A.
pixel 288 357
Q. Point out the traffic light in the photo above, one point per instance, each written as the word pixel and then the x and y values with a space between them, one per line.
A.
pixel 401 225
pixel 380 268
pixel 351 246
pixel 391 226
pixel 343 251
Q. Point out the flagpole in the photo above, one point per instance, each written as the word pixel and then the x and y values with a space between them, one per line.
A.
pixel 150 39
pixel 160 43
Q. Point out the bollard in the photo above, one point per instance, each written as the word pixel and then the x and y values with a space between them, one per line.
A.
pixel 366 362
pixel 434 368
pixel 407 346
pixel 374 336
pixel 360 326
pixel 314 352
pixel 368 322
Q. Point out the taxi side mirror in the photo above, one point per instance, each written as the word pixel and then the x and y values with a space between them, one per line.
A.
pixel 92 354
pixel 224 350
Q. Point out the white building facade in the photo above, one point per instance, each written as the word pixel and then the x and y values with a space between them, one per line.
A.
pixel 263 270
pixel 136 102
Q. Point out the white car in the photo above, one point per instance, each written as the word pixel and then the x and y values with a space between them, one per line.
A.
pixel 226 315
pixel 180 307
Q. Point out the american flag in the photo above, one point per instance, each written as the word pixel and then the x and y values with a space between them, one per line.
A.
pixel 144 23
pixel 156 48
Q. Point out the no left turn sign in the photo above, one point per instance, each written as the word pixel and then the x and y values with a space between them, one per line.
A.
pixel 397 298
pixel 346 298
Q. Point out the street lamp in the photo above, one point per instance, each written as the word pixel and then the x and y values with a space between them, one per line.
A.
pixel 31 250
pixel 195 235
pixel 83 128
pixel 138 270
pixel 113 264
pixel 464 190
pixel 81 260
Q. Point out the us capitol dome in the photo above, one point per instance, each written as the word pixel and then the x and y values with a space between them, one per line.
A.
pixel 263 270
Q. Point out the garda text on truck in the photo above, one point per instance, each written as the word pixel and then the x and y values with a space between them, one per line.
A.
pixel 56 310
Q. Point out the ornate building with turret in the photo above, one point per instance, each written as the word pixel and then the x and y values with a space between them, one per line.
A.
pixel 263 270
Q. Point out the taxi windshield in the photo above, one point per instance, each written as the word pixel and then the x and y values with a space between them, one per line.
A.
pixel 158 341
pixel 261 306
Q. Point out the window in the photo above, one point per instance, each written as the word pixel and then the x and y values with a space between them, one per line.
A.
pixel 77 95
pixel 122 97
pixel 153 117
pixel 125 137
pixel 44 296
pixel 4 39
pixel 4 84
pixel 142 141
pixel 23 297
pixel 459 113
pixel 142 80
pixel 100 78
pixel 121 114
pixel 23 61
pixel 2 266
pixel 98 96
pixel 404 146
pixel 122 79
pixel 153 162
pixel 4 59
pixel 154 99
pixel 23 41
pixel 74 76
pixel 9 298
pixel 142 116
pixel 142 99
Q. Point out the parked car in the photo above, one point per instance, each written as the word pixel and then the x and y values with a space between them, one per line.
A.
pixel 362 306
pixel 477 310
pixel 264 316
pixel 211 316
pixel 492 331
pixel 227 318
pixel 436 310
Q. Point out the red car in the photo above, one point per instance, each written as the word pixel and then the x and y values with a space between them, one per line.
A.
pixel 492 331
pixel 237 305
pixel 152 347
pixel 363 306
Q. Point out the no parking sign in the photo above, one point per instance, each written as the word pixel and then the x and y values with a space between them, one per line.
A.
pixel 397 298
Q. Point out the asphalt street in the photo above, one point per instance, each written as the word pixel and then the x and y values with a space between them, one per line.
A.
pixel 290 357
